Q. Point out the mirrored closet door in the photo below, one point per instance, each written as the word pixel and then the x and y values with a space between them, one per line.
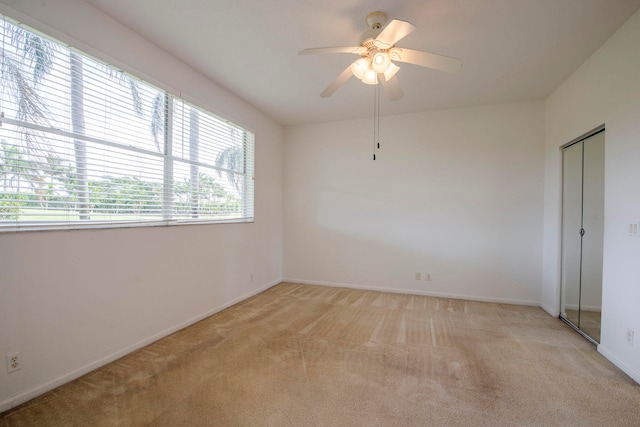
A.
pixel 582 234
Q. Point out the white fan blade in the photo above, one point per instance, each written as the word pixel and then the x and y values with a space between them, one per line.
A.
pixel 339 81
pixel 340 49
pixel 426 59
pixel 391 87
pixel 396 30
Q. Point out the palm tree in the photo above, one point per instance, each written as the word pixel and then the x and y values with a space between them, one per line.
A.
pixel 157 118
pixel 133 85
pixel 232 160
pixel 37 50
pixel 38 53
pixel 78 128
pixel 194 148
pixel 13 167
pixel 5 164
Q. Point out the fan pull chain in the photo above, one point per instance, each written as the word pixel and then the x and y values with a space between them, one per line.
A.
pixel 376 119
pixel 375 88
pixel 378 115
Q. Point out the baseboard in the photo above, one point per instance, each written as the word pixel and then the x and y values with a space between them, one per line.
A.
pixel 416 292
pixel 635 375
pixel 23 397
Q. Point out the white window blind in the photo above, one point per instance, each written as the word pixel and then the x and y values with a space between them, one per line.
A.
pixel 84 144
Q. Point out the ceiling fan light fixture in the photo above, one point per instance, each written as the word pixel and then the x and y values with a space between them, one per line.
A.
pixel 360 67
pixel 377 53
pixel 381 61
pixel 370 77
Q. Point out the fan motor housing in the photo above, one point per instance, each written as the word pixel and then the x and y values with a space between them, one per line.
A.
pixel 375 21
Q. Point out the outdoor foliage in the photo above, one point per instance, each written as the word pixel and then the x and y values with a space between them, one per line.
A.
pixel 61 174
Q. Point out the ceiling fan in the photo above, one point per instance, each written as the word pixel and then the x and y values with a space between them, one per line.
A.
pixel 377 51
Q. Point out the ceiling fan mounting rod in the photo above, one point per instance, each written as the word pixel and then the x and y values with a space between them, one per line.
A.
pixel 375 20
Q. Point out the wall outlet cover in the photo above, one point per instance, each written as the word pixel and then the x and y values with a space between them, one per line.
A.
pixel 14 362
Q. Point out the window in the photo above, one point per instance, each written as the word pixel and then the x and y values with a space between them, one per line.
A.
pixel 84 144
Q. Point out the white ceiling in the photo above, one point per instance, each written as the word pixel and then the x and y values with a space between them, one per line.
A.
pixel 511 50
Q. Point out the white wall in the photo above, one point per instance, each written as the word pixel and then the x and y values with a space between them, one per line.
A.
pixel 606 89
pixel 72 301
pixel 457 194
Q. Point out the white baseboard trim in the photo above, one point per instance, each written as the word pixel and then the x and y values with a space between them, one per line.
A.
pixel 416 292
pixel 635 375
pixel 23 397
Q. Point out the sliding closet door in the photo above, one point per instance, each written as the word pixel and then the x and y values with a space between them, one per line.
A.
pixel 592 241
pixel 571 232
pixel 582 234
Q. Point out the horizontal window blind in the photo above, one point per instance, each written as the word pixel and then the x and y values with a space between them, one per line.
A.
pixel 84 144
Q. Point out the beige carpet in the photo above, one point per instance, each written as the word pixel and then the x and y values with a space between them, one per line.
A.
pixel 299 355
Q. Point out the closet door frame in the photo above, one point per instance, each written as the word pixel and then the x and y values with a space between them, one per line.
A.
pixel 563 298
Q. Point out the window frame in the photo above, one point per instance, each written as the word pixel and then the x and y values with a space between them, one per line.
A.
pixel 247 209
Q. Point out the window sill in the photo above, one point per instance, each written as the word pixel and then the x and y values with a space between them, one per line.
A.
pixel 19 228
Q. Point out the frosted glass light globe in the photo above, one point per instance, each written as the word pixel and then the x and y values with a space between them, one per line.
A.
pixel 360 67
pixel 381 62
pixel 370 77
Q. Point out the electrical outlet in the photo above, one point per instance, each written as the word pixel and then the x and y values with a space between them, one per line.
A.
pixel 630 334
pixel 427 277
pixel 417 276
pixel 14 362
